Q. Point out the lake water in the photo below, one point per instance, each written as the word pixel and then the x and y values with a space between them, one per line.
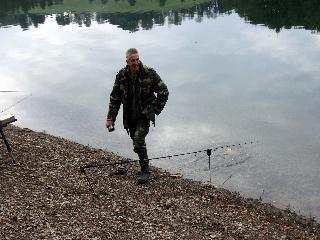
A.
pixel 237 71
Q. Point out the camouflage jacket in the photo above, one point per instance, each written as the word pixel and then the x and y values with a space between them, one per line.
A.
pixel 149 84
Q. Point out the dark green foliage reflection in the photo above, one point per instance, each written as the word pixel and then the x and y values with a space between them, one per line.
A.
pixel 144 14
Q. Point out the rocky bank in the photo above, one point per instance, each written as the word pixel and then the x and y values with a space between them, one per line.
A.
pixel 46 196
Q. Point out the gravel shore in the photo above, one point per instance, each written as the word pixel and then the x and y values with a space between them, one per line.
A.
pixel 46 196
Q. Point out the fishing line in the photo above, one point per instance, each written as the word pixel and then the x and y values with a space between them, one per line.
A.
pixel 16 103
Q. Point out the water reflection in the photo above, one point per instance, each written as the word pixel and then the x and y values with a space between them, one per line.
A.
pixel 133 15
pixel 128 15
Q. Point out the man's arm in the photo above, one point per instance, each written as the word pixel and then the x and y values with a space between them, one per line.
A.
pixel 114 104
pixel 162 93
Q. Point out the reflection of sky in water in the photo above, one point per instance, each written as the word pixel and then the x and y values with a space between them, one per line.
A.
pixel 228 81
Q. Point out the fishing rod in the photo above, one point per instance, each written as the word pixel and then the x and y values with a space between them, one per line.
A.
pixel 121 170
pixel 10 91
pixel 16 103
pixel 128 160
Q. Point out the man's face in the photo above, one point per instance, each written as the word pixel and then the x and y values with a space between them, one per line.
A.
pixel 133 62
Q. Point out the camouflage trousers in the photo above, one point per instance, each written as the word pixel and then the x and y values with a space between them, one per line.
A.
pixel 138 132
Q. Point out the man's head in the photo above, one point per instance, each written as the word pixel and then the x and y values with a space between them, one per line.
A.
pixel 133 59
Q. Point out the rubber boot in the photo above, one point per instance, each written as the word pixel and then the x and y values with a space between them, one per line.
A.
pixel 144 175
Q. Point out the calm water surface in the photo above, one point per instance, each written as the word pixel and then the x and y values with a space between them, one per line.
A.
pixel 236 71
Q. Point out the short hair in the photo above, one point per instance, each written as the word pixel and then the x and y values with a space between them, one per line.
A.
pixel 131 51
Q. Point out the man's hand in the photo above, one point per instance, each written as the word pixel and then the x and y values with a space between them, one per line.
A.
pixel 110 125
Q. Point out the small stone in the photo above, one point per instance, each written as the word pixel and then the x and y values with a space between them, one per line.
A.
pixel 168 203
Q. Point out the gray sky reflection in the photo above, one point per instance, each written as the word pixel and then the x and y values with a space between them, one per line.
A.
pixel 228 81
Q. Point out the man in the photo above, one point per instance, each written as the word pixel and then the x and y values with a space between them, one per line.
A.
pixel 135 87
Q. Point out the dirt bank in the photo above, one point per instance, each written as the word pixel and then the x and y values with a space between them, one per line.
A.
pixel 45 196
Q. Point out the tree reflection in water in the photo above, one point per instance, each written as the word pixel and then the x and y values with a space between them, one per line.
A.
pixel 274 14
